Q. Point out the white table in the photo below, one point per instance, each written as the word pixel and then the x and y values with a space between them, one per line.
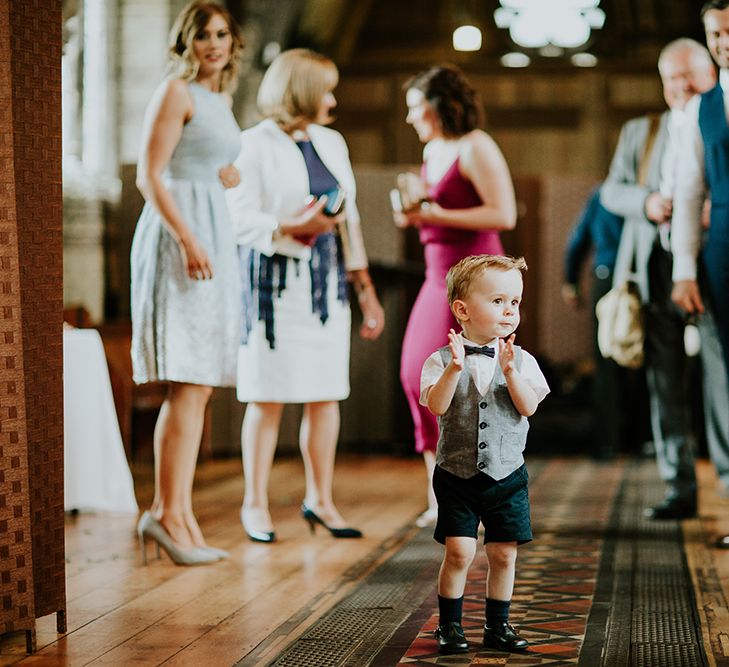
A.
pixel 97 476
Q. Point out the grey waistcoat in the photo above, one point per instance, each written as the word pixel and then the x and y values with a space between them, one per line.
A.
pixel 481 433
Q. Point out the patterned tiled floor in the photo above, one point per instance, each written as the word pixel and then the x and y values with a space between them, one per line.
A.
pixel 556 573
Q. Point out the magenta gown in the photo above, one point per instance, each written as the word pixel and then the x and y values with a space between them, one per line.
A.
pixel 431 318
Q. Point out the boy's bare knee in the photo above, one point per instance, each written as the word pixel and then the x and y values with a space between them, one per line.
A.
pixel 501 554
pixel 459 555
pixel 459 560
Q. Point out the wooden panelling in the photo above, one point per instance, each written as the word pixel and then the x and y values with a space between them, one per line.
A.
pixel 525 118
pixel 31 442
pixel 17 611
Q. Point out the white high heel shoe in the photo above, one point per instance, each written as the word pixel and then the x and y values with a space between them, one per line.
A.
pixel 256 535
pixel 149 527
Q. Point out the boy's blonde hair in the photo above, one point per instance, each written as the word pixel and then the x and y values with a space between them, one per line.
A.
pixel 461 276
pixel 293 87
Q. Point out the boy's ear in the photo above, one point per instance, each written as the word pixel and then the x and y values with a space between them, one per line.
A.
pixel 460 310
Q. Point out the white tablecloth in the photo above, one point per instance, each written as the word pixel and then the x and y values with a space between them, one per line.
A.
pixel 97 476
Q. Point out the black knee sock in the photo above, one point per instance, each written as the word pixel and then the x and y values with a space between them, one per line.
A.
pixel 497 611
pixel 451 610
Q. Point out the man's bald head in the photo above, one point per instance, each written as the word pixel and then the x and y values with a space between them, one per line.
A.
pixel 686 68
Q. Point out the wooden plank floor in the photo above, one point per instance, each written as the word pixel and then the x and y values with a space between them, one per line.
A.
pixel 121 613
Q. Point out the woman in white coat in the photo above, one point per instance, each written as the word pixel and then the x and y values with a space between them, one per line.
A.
pixel 300 241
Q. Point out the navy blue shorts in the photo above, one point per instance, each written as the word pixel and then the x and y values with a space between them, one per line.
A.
pixel 502 507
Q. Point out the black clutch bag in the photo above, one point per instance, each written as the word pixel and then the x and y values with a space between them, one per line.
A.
pixel 335 202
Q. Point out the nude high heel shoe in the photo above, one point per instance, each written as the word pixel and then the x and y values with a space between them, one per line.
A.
pixel 222 554
pixel 149 527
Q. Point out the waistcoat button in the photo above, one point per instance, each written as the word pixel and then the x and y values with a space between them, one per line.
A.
pixel 481 465
pixel 482 445
pixel 483 425
pixel 483 404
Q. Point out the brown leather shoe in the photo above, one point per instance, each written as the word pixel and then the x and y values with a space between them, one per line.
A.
pixel 722 542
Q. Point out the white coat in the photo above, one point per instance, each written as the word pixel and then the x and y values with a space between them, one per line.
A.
pixel 275 183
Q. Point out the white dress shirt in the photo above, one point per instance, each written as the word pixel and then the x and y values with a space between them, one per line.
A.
pixel 669 161
pixel 669 168
pixel 691 189
pixel 482 370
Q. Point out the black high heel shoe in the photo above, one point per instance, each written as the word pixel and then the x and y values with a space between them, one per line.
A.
pixel 312 519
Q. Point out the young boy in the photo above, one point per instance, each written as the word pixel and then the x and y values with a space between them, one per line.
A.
pixel 482 388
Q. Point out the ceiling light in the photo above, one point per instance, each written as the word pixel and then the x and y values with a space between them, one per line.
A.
pixel 269 53
pixel 568 30
pixel 583 60
pixel 515 59
pixel 467 38
pixel 537 23
pixel 551 51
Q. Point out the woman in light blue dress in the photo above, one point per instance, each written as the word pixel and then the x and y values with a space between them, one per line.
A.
pixel 186 296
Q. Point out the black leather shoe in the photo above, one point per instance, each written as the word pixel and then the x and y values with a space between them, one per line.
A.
pixel 503 637
pixel 672 508
pixel 451 638
pixel 722 542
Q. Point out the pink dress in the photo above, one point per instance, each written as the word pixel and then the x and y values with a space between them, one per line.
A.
pixel 431 317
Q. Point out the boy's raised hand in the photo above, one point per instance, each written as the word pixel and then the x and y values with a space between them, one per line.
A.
pixel 507 355
pixel 458 353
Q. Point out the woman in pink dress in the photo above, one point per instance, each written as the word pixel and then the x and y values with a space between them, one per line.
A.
pixel 470 200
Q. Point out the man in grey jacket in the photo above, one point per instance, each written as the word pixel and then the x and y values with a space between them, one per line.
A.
pixel 640 188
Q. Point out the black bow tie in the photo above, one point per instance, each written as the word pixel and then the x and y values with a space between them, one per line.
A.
pixel 488 351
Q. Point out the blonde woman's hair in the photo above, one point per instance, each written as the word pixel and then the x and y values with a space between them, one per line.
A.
pixel 461 276
pixel 294 85
pixel 190 21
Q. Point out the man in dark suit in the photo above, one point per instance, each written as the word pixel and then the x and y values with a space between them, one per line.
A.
pixel 701 265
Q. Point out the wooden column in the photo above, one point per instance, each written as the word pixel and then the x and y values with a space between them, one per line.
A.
pixel 32 566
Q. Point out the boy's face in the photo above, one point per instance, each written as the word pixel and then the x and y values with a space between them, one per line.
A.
pixel 491 309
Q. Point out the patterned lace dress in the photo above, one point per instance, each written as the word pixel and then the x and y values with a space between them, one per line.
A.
pixel 186 330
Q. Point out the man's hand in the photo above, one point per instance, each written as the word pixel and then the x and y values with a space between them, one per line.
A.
pixel 571 295
pixel 458 352
pixel 686 295
pixel 658 208
pixel 706 214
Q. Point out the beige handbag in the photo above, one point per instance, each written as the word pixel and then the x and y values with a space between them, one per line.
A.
pixel 620 332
